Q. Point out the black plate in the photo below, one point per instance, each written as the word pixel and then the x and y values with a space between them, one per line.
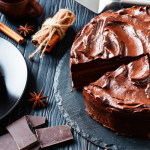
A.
pixel 72 107
pixel 14 78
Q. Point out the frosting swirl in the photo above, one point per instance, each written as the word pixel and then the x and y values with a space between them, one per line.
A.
pixel 128 87
pixel 125 33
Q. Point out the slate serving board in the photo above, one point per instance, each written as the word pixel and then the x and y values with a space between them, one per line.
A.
pixel 72 107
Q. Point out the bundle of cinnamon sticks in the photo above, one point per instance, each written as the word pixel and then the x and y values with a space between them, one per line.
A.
pixel 52 31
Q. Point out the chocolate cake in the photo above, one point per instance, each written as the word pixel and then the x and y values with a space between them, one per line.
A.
pixel 120 99
pixel 109 41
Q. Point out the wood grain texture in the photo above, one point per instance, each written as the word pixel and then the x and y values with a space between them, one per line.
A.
pixel 41 72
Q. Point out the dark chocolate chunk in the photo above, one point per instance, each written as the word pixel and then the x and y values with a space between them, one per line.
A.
pixel 7 143
pixel 53 135
pixel 36 121
pixel 22 134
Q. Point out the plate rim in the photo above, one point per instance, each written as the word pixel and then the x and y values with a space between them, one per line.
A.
pixel 18 100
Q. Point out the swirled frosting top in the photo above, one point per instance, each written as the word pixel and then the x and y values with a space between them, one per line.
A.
pixel 127 88
pixel 125 33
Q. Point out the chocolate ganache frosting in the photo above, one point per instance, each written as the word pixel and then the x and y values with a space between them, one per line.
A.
pixel 120 99
pixel 108 41
pixel 127 87
pixel 123 33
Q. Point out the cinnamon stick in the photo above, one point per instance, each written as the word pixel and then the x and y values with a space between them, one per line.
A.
pixel 11 33
pixel 55 38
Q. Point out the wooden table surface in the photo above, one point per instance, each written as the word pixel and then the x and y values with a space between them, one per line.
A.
pixel 41 72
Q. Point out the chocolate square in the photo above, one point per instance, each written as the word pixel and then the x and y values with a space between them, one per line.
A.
pixel 36 121
pixel 7 142
pixel 22 134
pixel 53 135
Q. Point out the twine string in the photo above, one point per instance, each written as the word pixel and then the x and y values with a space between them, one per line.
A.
pixel 51 26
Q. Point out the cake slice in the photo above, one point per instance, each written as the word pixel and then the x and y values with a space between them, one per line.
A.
pixel 109 41
pixel 120 100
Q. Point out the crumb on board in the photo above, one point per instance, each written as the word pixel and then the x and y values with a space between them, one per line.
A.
pixel 71 90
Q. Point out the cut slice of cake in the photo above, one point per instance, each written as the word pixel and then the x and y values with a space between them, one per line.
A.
pixel 109 41
pixel 120 100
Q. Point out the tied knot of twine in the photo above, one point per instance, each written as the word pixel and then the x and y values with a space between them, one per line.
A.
pixel 49 27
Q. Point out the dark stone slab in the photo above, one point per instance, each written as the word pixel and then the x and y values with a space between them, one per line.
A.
pixel 72 107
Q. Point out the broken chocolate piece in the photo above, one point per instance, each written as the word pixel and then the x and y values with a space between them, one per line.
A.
pixel 53 135
pixel 36 121
pixel 22 134
pixel 7 142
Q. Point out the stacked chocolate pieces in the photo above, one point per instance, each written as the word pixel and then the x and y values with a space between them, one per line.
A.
pixel 20 136
pixel 120 100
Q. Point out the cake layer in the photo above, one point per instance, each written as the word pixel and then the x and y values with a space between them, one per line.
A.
pixel 120 99
pixel 109 38
pixel 85 76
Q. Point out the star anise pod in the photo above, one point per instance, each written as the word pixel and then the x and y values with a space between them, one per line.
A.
pixel 25 30
pixel 37 99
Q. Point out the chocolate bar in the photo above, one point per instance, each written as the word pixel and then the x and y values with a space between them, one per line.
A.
pixel 36 121
pixel 22 134
pixel 7 142
pixel 53 135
